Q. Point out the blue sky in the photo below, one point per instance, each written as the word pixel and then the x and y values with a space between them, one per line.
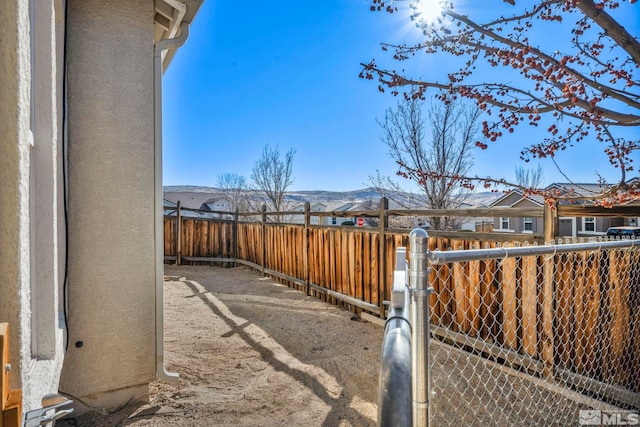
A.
pixel 286 73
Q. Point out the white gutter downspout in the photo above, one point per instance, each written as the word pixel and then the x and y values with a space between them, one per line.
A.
pixel 161 373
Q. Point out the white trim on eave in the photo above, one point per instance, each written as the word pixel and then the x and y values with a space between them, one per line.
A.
pixel 168 18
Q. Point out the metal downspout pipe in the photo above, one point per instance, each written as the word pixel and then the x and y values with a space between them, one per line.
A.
pixel 181 8
pixel 161 373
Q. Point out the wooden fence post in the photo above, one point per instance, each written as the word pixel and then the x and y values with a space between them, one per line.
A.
pixel 550 221
pixel 178 234
pixel 383 223
pixel 264 237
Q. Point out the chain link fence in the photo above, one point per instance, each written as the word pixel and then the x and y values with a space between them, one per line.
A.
pixel 532 335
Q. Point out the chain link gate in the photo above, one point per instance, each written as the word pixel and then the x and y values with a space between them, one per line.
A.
pixel 531 335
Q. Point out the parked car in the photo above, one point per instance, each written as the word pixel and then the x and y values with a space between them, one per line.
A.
pixel 624 232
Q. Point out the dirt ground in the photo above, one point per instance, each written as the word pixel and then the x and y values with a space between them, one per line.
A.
pixel 252 352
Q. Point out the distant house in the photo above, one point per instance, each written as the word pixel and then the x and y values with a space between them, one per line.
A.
pixel 344 207
pixel 516 199
pixel 217 206
pixel 315 220
pixel 337 207
pixel 584 226
pixel 171 209
pixel 633 221
pixel 189 199
pixel 568 226
pixel 481 224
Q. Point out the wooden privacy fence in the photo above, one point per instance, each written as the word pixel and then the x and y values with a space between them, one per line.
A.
pixel 350 265
pixel 538 313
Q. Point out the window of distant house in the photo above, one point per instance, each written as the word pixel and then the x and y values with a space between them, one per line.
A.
pixel 528 224
pixel 334 220
pixel 504 223
pixel 589 224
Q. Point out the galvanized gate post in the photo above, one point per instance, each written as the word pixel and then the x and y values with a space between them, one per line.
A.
pixel 420 291
pixel 395 399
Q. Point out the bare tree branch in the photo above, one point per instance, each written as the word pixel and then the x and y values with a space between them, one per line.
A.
pixel 234 190
pixel 587 92
pixel 447 151
pixel 272 176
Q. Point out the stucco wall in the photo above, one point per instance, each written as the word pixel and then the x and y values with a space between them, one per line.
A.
pixel 14 177
pixel 46 354
pixel 29 184
pixel 111 198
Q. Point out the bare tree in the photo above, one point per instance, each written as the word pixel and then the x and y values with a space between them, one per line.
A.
pixel 529 178
pixel 272 175
pixel 431 161
pixel 583 89
pixel 234 190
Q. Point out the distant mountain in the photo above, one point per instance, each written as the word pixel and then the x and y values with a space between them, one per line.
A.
pixel 192 196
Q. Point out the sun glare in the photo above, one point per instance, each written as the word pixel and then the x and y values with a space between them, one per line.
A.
pixel 427 11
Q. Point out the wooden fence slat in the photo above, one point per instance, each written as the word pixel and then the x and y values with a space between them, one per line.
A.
pixel 326 238
pixel 212 241
pixel 312 257
pixel 198 232
pixel 489 299
pixel 509 303
pixel 529 283
pixel 358 258
pixel 333 259
pixel 590 330
pixel 564 310
pixel 366 267
pixel 446 280
pixel 375 269
pixel 460 296
pixel 351 256
pixel 344 262
pixel 473 292
pixel 634 339
pixel 189 240
pixel 580 306
pixel 619 287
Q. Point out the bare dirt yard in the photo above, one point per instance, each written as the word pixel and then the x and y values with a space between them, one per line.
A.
pixel 252 352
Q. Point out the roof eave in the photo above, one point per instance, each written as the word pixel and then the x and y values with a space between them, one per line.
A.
pixel 169 15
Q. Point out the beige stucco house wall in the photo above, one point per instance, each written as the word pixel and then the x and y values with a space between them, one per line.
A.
pixel 111 199
pixel 101 144
pixel 30 188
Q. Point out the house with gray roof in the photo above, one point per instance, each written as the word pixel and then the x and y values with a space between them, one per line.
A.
pixel 568 226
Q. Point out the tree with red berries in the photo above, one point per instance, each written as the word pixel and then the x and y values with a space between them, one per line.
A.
pixel 585 86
